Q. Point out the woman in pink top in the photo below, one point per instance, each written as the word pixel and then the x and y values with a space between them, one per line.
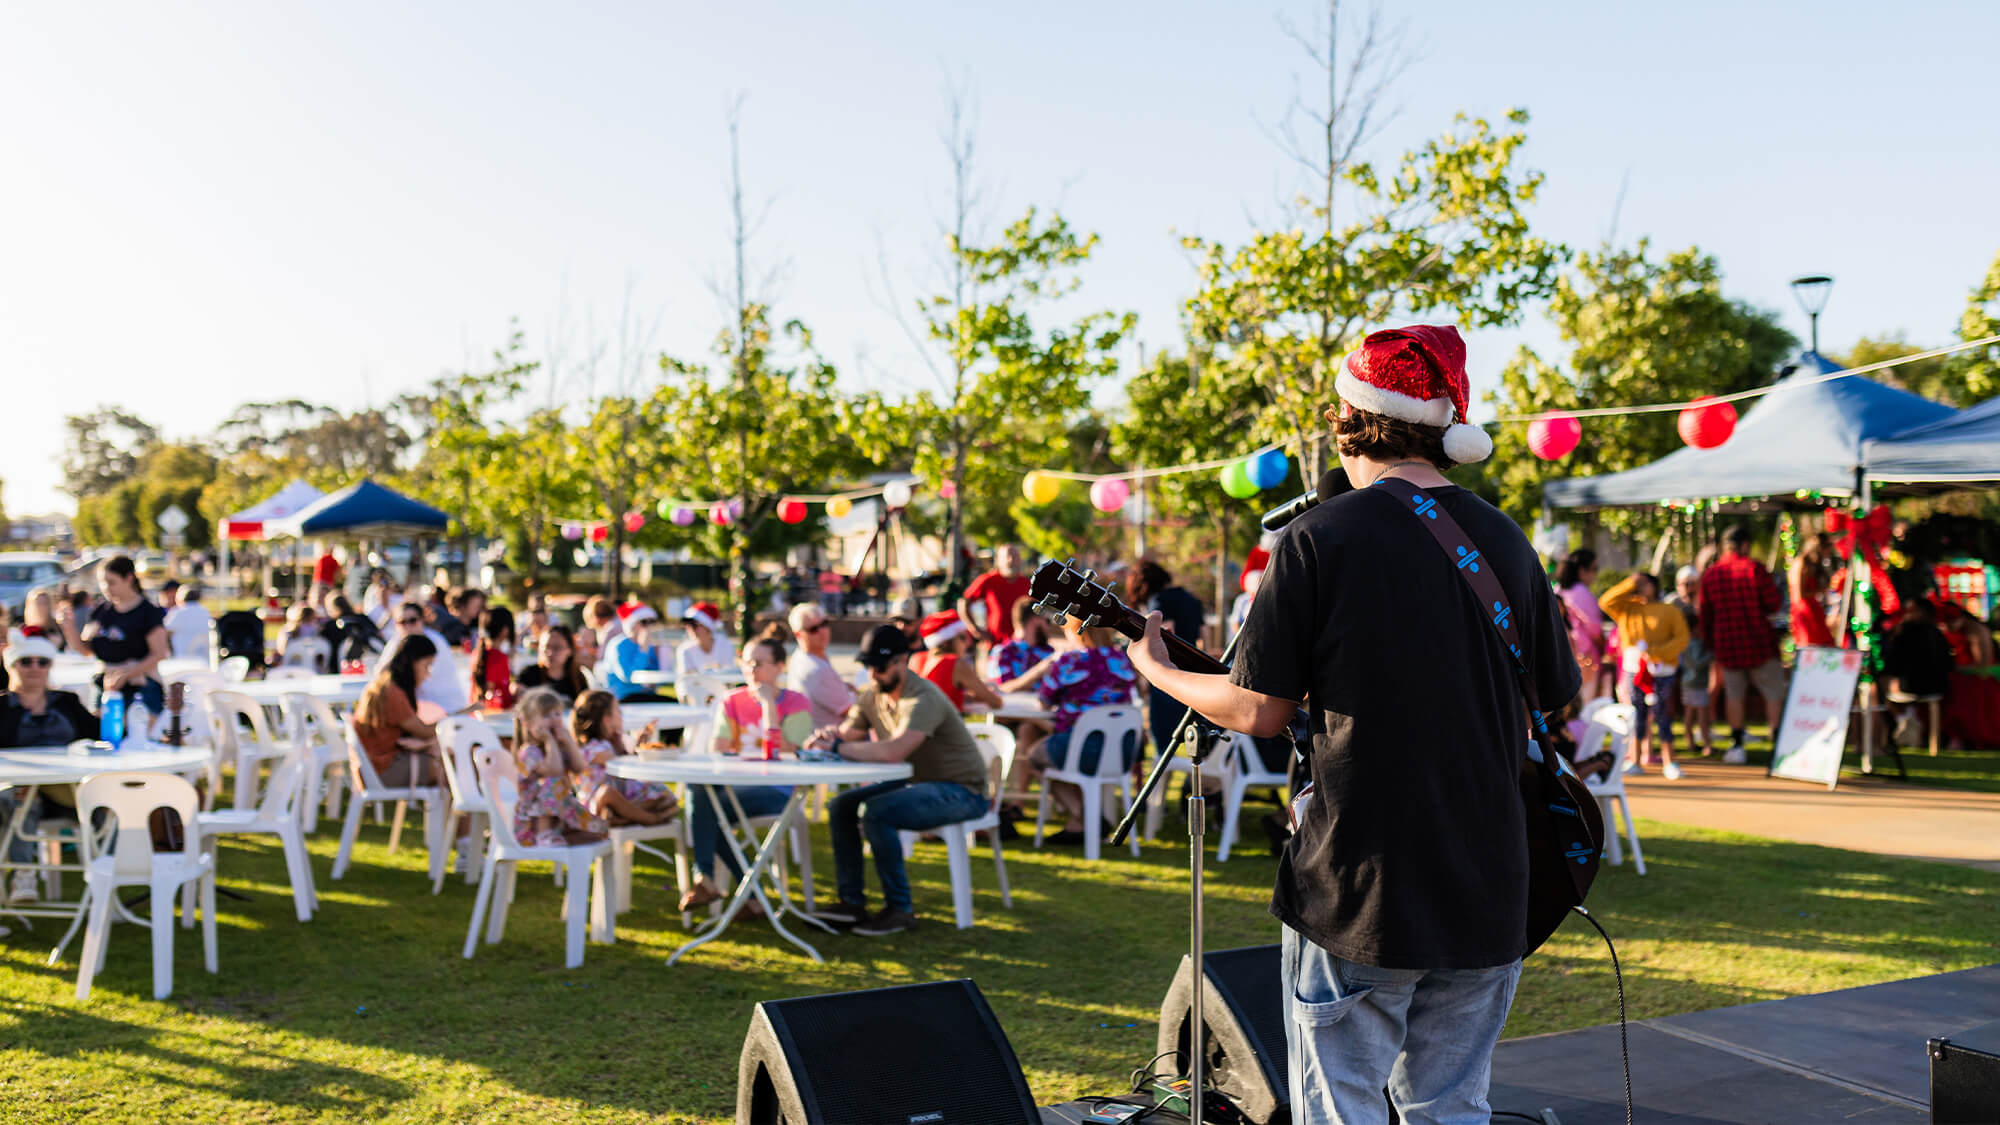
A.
pixel 746 714
pixel 1585 617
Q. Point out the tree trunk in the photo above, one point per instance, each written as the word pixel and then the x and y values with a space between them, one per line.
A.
pixel 955 542
pixel 1222 521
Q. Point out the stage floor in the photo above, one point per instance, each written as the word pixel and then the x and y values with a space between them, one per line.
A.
pixel 1853 1055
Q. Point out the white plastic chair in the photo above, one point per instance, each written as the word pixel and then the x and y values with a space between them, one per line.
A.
pixel 276 815
pixel 369 790
pixel 197 728
pixel 460 737
pixel 1113 722
pixel 235 669
pixel 1591 708
pixel 243 735
pixel 307 655
pixel 996 744
pixel 132 797
pixel 1243 771
pixel 1613 724
pixel 584 897
pixel 322 739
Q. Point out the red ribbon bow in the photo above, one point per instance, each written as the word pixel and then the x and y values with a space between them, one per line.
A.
pixel 1866 535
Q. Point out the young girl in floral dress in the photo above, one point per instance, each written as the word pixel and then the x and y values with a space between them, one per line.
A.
pixel 546 811
pixel 600 733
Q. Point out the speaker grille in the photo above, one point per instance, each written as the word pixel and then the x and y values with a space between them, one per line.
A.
pixel 925 1054
pixel 1250 981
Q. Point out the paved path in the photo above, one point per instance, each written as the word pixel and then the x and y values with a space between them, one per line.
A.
pixel 1870 815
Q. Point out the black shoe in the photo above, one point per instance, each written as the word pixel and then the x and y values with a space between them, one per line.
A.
pixel 843 914
pixel 1067 836
pixel 1008 831
pixel 887 922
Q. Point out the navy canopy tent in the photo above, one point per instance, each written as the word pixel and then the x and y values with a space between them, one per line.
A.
pixel 363 511
pixel 1802 436
pixel 1961 449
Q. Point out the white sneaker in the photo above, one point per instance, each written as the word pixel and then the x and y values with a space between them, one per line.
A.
pixel 27 887
pixel 1633 768
pixel 1735 756
pixel 1671 772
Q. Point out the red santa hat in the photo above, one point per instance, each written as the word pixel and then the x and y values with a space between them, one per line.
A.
pixel 939 628
pixel 633 614
pixel 705 614
pixel 1416 374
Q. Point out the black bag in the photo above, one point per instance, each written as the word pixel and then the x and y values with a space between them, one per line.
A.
pixel 240 632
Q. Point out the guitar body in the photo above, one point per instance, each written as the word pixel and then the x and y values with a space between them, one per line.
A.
pixel 1564 828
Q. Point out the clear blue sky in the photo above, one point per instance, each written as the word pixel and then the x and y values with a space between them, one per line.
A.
pixel 204 204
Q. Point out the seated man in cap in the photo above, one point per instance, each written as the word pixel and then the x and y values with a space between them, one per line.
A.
pixel 633 650
pixel 898 717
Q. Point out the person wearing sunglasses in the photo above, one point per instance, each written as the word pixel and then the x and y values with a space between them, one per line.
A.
pixel 33 715
pixel 445 686
pixel 810 673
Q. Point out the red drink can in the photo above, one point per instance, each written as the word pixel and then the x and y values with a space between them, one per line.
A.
pixel 772 741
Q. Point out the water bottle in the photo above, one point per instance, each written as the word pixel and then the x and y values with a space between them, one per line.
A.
pixel 138 727
pixel 111 719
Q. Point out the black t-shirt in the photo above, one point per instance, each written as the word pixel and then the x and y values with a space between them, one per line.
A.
pixel 1181 610
pixel 121 637
pixel 1413 853
pixel 534 676
pixel 1919 657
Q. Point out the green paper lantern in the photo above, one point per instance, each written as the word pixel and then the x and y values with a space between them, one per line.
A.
pixel 665 508
pixel 1236 480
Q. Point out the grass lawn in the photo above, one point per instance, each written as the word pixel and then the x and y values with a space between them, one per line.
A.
pixel 368 1012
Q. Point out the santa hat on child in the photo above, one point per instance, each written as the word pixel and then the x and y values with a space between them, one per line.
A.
pixel 634 614
pixel 1416 374
pixel 704 614
pixel 939 628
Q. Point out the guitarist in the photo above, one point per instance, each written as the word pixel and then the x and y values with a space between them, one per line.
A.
pixel 1404 892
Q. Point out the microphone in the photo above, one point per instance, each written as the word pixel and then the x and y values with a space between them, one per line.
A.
pixel 1332 483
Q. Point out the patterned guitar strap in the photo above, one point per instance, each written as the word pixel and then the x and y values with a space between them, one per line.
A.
pixel 1577 846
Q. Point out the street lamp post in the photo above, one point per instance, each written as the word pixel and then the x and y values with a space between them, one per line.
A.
pixel 1811 292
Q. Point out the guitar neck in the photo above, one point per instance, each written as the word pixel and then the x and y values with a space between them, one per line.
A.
pixel 1184 654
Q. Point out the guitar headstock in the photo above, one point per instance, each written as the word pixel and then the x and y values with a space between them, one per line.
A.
pixel 1060 592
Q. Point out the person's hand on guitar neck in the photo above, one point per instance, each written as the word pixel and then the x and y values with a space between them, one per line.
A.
pixel 1212 695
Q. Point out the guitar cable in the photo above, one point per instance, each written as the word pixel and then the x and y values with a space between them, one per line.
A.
pixel 1624 1052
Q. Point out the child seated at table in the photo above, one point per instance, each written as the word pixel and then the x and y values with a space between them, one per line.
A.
pixel 599 729
pixel 546 811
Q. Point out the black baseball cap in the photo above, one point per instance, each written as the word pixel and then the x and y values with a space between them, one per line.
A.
pixel 885 643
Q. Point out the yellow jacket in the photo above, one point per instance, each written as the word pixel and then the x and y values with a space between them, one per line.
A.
pixel 1660 625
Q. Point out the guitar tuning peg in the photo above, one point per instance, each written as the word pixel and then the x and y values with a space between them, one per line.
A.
pixel 1091 622
pixel 1090 575
pixel 1070 563
pixel 1060 620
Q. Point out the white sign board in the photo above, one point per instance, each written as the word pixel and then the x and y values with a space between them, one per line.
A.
pixel 172 520
pixel 1816 713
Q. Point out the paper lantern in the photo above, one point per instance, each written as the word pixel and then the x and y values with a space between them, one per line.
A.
pixel 725 513
pixel 1040 488
pixel 599 532
pixel 572 531
pixel 1236 480
pixel 665 508
pixel 580 557
pixel 1109 494
pixel 792 511
pixel 896 494
pixel 839 506
pixel 682 517
pixel 634 520
pixel 1268 469
pixel 1706 423
pixel 1553 437
pixel 947 490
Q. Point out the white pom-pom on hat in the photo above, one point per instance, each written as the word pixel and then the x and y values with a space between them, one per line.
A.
pixel 1466 443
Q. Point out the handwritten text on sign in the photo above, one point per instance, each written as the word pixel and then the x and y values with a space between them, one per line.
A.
pixel 1816 714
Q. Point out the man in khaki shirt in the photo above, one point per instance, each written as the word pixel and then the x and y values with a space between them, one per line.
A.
pixel 898 717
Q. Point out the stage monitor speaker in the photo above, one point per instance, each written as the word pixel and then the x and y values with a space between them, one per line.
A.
pixel 918 1054
pixel 1244 1010
pixel 1965 1076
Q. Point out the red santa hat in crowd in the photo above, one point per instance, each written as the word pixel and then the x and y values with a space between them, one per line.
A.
pixel 705 614
pixel 1416 374
pixel 631 615
pixel 940 628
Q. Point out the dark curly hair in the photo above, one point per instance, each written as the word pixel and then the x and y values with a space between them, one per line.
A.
pixel 1379 437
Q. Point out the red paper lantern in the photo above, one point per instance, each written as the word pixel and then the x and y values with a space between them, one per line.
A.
pixel 634 520
pixel 599 532
pixel 792 511
pixel 1553 438
pixel 1706 423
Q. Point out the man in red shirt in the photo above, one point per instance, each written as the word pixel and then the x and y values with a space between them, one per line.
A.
pixel 997 590
pixel 1738 598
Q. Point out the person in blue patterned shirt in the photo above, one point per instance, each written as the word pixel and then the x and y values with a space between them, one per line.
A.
pixel 1089 671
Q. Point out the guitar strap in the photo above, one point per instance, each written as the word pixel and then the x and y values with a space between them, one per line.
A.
pixel 1580 855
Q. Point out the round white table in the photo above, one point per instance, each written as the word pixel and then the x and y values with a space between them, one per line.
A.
pixel 669 716
pixel 345 690
pixel 715 774
pixel 1021 705
pixel 657 676
pixel 26 769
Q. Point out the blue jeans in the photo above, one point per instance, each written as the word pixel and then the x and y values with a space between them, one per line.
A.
pixel 757 800
pixel 1666 689
pixel 1427 1035
pixel 21 851
pixel 892 807
pixel 1057 750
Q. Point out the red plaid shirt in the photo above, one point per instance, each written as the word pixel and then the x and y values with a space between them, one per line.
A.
pixel 1737 601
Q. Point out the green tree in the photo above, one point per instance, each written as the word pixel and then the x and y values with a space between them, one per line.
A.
pixel 1978 371
pixel 463 468
pixel 1931 378
pixel 104 450
pixel 1640 330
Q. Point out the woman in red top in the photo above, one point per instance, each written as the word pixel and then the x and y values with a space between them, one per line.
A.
pixel 493 660
pixel 1808 576
pixel 944 663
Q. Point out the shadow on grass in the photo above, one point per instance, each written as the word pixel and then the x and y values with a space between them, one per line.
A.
pixel 1075 972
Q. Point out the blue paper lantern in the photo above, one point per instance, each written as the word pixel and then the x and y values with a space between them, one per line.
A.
pixel 1268 469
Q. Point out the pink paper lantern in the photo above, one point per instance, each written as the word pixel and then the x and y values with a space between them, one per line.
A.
pixel 1554 437
pixel 634 521
pixel 721 515
pixel 1109 494
pixel 1706 423
pixel 947 490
